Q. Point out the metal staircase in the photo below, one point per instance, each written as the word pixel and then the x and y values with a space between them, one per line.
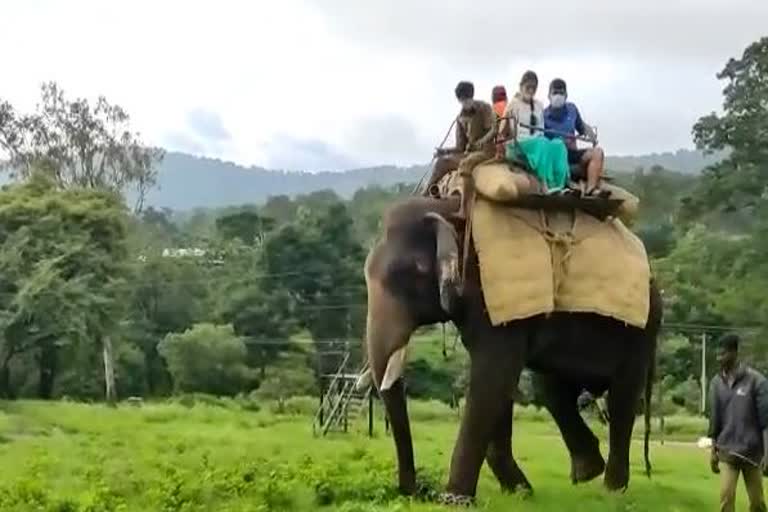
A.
pixel 340 403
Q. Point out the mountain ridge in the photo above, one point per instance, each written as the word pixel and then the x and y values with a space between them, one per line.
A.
pixel 186 181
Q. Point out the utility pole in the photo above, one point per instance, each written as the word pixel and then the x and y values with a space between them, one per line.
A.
pixel 703 372
pixel 109 370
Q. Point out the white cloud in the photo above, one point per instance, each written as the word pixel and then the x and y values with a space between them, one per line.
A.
pixel 334 83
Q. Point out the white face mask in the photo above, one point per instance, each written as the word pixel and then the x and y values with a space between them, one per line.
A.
pixel 466 104
pixel 557 100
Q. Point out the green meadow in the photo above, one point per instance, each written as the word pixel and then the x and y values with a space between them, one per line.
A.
pixel 202 453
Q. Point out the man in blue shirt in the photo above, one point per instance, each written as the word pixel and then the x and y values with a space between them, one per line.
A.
pixel 564 121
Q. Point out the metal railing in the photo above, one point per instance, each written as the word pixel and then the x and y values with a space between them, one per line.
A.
pixel 340 401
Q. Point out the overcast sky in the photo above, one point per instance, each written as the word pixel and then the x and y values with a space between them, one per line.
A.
pixel 335 84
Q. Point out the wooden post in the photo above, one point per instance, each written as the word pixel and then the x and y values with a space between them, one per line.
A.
pixel 703 372
pixel 322 395
pixel 661 410
pixel 370 414
pixel 321 385
pixel 109 370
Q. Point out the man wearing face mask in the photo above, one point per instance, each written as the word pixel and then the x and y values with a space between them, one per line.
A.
pixel 564 120
pixel 475 142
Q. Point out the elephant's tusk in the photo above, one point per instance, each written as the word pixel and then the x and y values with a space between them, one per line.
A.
pixel 395 368
pixel 450 285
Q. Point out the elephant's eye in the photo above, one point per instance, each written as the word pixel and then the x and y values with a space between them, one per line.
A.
pixel 423 267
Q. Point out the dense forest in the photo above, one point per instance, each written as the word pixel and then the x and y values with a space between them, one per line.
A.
pixel 241 299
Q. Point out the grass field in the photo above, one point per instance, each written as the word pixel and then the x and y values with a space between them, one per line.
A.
pixel 221 456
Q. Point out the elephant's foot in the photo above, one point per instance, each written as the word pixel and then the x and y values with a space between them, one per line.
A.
pixel 616 477
pixel 455 500
pixel 516 482
pixel 511 478
pixel 522 487
pixel 407 487
pixel 585 468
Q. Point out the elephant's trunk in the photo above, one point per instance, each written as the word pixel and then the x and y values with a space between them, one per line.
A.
pixel 397 410
pixel 388 331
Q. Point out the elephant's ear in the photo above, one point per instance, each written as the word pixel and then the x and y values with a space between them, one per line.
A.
pixel 446 261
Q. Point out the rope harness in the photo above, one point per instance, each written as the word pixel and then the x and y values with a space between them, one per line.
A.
pixel 560 247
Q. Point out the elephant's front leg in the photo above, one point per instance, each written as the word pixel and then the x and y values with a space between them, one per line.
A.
pixel 499 455
pixel 496 363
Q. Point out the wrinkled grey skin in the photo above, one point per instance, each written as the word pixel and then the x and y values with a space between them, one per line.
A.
pixel 412 278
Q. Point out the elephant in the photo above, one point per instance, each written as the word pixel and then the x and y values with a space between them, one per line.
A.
pixel 413 279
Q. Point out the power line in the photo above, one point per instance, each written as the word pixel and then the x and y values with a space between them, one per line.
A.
pixel 709 327
pixel 350 343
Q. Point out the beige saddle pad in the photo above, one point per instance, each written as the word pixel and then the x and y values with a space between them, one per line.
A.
pixel 534 262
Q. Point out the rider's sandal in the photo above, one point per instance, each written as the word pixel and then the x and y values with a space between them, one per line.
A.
pixel 598 192
pixel 573 192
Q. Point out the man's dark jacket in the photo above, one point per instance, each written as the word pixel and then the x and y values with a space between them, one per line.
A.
pixel 738 415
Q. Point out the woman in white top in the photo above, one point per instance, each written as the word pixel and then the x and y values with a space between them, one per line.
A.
pixel 525 109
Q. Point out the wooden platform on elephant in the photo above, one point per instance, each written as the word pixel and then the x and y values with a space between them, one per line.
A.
pixel 598 207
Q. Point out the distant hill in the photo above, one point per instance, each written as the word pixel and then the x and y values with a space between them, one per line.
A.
pixel 683 160
pixel 187 182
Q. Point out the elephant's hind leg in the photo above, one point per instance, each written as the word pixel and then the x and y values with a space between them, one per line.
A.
pixel 500 459
pixel 560 397
pixel 623 397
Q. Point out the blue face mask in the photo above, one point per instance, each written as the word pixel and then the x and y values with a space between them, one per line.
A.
pixel 557 100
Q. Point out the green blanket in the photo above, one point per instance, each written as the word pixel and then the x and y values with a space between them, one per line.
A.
pixel 548 160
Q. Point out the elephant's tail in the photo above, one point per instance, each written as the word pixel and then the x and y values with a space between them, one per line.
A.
pixel 656 314
pixel 647 408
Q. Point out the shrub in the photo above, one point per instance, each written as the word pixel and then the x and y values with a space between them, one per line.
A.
pixel 431 410
pixel 532 414
pixel 207 358
pixel 300 406
pixel 289 377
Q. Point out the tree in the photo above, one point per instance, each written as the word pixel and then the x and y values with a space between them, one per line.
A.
pixel 246 225
pixel 740 180
pixel 367 207
pixel 695 273
pixel 677 358
pixel 207 358
pixel 288 377
pixel 157 228
pixel 243 294
pixel 78 145
pixel 320 264
pixel 659 190
pixel 62 261
pixel 659 240
pixel 165 296
pixel 265 319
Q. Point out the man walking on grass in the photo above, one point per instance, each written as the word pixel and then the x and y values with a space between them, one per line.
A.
pixel 738 418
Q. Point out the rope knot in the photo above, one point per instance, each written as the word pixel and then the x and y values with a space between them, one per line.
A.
pixel 560 248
